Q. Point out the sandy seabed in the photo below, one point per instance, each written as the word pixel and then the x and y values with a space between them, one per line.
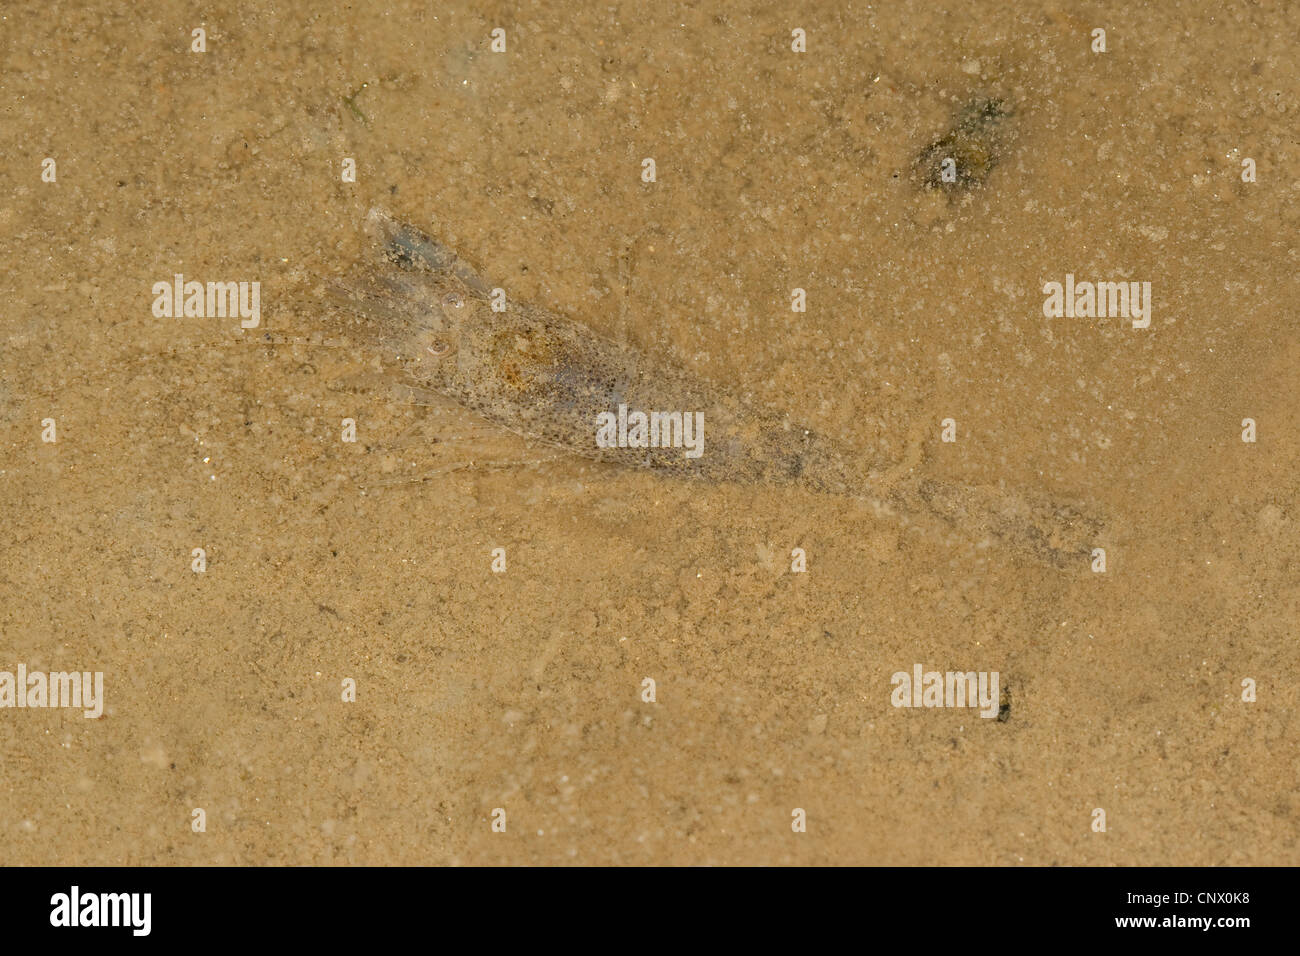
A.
pixel 328 561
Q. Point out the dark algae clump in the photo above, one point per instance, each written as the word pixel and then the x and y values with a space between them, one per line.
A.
pixel 964 156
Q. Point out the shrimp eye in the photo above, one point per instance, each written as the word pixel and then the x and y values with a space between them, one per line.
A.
pixel 452 303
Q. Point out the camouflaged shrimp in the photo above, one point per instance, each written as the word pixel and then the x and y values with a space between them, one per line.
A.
pixel 548 379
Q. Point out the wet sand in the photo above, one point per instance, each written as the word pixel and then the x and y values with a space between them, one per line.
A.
pixel 371 560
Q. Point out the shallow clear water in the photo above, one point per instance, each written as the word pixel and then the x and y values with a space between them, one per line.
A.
pixel 522 690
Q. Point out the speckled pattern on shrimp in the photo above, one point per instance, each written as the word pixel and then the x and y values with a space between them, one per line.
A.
pixel 548 378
